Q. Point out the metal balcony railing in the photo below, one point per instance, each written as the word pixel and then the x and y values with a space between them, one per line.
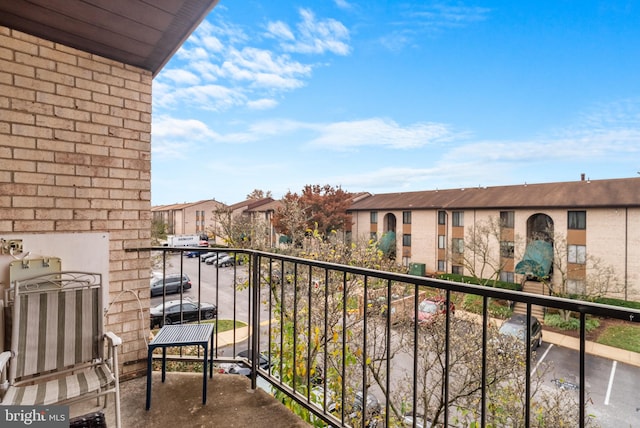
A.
pixel 347 346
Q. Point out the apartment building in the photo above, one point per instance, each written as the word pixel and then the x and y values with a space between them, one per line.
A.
pixel 587 225
pixel 188 218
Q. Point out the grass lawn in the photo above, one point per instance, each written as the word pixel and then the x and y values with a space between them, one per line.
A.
pixel 621 336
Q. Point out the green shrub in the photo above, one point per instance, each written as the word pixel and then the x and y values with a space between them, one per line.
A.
pixel 556 321
pixel 476 281
pixel 497 308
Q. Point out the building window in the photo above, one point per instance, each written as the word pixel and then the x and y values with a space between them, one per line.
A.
pixel 406 217
pixel 442 217
pixel 507 277
pixel 577 254
pixel 374 217
pixel 506 249
pixel 577 220
pixel 576 286
pixel 457 270
pixel 442 242
pixel 507 219
pixel 458 218
pixel 442 266
pixel 457 245
pixel 406 261
pixel 406 239
pixel 373 236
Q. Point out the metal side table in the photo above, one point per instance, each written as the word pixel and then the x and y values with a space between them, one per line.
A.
pixel 182 335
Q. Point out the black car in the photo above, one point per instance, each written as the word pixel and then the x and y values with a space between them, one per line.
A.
pixel 233 368
pixel 173 282
pixel 191 311
pixel 516 327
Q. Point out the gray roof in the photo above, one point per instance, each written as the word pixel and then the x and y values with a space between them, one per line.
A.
pixel 624 192
pixel 142 33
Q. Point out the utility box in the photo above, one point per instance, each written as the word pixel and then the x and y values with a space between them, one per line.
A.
pixel 418 269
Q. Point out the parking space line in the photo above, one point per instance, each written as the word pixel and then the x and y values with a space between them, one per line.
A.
pixel 611 376
pixel 542 358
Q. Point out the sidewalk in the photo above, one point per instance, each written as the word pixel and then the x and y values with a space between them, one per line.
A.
pixel 627 357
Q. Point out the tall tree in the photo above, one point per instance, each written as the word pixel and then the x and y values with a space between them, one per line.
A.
pixel 259 194
pixel 317 207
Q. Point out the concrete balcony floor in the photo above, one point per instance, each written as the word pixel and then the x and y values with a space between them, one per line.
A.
pixel 178 403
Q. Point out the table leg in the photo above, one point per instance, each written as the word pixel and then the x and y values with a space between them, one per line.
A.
pixel 164 363
pixel 204 375
pixel 149 372
pixel 211 357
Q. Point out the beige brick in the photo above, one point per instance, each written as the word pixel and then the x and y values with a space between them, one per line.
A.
pixel 57 192
pixel 90 214
pixel 55 168
pixel 6 78
pixel 96 63
pixel 142 88
pixel 5 153
pixel 107 120
pixel 91 128
pixel 75 71
pixel 108 79
pixel 31 39
pixel 18 117
pixel 73 181
pixel 72 225
pixel 138 106
pixel 33 155
pixel 137 184
pixel 106 204
pixel 138 165
pixel 124 153
pixel 32 202
pixel 131 73
pixel 40 226
pixel 70 137
pixel 138 126
pixel 124 133
pixel 17 213
pixel 73 92
pixel 6 53
pixel 124 194
pixel 18 189
pixel 144 98
pixel 137 205
pixel 33 83
pixel 107 141
pixel 54 77
pixel 126 94
pixel 107 161
pixel 102 182
pixel 31 131
pixel 54 214
pixel 72 113
pixel 106 225
pixel 91 149
pixel 16 68
pixel 16 44
pixel 58 55
pixel 124 113
pixel 56 100
pixel 92 193
pixel 92 171
pixel 18 141
pixel 92 107
pixel 135 144
pixel 36 61
pixel 31 107
pixel 123 215
pixel 54 122
pixel 130 174
pixel 92 85
pixel 71 51
pixel 23 166
pixel 13 92
pixel 74 159
pixel 108 99
pixel 75 202
pixel 6 226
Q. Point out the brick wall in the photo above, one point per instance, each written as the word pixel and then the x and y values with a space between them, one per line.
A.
pixel 75 155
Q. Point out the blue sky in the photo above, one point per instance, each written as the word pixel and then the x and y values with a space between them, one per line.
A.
pixel 393 96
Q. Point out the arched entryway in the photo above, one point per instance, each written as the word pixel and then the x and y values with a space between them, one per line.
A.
pixel 387 242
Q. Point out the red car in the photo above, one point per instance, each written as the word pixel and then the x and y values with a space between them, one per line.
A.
pixel 432 307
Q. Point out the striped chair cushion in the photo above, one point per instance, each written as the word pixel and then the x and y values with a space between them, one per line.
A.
pixel 57 330
pixel 60 389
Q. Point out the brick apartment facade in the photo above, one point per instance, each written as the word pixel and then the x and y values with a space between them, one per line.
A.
pixel 597 219
pixel 75 156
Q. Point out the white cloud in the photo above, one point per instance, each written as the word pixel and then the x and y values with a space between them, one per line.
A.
pixel 182 77
pixel 262 104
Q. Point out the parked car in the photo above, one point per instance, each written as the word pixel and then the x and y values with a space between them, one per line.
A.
pixel 169 313
pixel 428 309
pixel 516 327
pixel 235 368
pixel 213 259
pixel 192 254
pixel 173 282
pixel 223 261
pixel 206 256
